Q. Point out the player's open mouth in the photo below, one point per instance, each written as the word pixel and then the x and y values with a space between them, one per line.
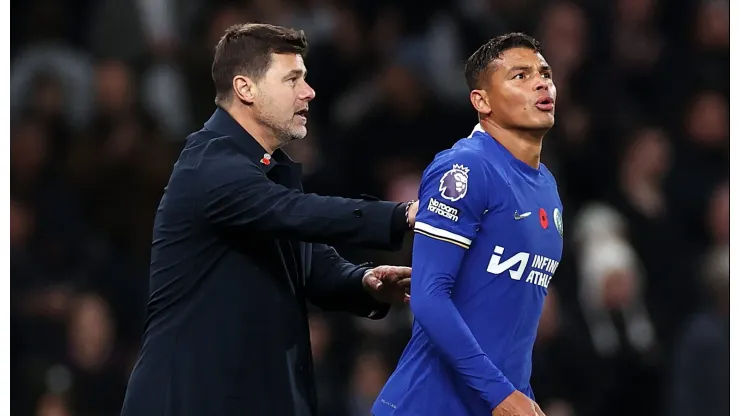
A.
pixel 545 104
pixel 302 114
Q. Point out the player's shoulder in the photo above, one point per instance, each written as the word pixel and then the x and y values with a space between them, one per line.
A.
pixel 465 152
pixel 460 161
pixel 476 152
pixel 453 171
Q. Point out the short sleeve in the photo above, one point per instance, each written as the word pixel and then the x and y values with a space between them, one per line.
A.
pixel 453 197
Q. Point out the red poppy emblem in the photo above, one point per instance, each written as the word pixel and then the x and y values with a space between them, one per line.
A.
pixel 543 218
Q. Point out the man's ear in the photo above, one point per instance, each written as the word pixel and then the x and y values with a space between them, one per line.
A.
pixel 244 89
pixel 479 99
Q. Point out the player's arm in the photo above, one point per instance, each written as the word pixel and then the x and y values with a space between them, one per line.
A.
pixel 445 228
pixel 235 195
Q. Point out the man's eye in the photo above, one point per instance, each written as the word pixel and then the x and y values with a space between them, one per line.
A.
pixel 547 75
pixel 519 76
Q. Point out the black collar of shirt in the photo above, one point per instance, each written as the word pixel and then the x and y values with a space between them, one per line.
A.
pixel 221 122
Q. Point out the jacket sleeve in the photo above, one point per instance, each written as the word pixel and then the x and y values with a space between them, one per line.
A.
pixel 335 284
pixel 237 196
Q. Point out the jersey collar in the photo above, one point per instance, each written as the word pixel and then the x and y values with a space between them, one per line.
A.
pixel 490 142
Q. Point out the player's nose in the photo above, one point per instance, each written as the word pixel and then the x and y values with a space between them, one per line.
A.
pixel 542 85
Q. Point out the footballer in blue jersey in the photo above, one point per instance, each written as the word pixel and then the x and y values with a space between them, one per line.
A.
pixel 489 238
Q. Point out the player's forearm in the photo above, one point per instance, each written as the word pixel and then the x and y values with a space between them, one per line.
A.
pixel 436 313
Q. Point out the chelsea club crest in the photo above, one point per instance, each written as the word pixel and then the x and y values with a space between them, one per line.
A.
pixel 558 218
pixel 454 183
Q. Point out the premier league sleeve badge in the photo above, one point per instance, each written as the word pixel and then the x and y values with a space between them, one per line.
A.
pixel 454 183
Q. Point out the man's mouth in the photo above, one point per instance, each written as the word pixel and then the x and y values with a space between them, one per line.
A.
pixel 545 104
pixel 303 112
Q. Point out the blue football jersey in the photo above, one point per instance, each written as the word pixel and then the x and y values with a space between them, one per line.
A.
pixel 489 237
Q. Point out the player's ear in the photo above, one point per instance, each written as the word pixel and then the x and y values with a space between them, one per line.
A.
pixel 479 99
pixel 244 88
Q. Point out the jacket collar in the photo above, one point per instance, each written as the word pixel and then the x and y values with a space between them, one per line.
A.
pixel 221 122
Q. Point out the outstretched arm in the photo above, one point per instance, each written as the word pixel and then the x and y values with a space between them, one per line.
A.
pixel 235 195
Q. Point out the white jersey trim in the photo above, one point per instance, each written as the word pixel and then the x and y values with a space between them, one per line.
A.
pixel 477 129
pixel 441 234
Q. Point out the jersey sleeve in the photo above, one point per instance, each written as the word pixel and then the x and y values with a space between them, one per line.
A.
pixel 453 200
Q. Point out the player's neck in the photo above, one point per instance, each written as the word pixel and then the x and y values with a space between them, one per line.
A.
pixel 524 145
pixel 261 133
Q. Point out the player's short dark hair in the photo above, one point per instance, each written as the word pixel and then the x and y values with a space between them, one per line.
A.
pixel 247 49
pixel 479 63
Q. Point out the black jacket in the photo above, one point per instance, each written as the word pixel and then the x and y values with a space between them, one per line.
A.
pixel 237 251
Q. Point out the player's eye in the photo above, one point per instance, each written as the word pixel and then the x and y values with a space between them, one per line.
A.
pixel 519 76
pixel 547 75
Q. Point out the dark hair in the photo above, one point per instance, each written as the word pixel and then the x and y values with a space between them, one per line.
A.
pixel 480 61
pixel 247 49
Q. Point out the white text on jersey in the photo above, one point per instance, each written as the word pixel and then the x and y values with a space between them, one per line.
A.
pixel 517 263
pixel 440 208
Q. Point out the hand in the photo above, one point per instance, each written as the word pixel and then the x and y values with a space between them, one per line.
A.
pixel 413 209
pixel 517 404
pixel 388 284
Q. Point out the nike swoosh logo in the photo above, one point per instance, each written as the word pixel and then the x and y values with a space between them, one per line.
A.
pixel 522 216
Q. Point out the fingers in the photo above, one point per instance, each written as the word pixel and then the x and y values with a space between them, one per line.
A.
pixel 413 210
pixel 405 284
pixel 392 273
pixel 398 277
pixel 372 281
pixel 403 272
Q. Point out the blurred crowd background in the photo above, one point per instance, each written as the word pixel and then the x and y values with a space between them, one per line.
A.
pixel 103 93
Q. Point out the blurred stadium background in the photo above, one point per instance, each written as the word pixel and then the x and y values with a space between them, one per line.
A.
pixel 103 92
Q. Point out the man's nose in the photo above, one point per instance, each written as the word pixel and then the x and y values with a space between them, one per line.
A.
pixel 308 93
pixel 542 85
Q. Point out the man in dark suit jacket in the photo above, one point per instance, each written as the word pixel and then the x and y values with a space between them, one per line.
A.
pixel 238 249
